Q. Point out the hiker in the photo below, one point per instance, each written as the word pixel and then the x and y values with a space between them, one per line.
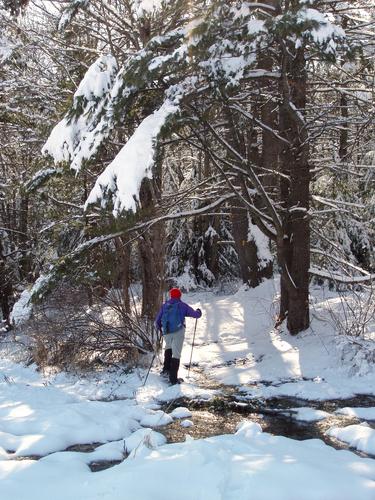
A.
pixel 171 321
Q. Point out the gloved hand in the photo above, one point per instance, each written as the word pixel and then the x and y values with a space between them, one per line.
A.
pixel 199 311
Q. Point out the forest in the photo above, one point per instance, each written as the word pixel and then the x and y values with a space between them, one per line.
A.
pixel 218 154
pixel 188 143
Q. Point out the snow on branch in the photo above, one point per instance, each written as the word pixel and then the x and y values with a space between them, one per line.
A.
pixel 40 178
pixel 6 49
pixel 343 262
pixel 348 280
pixel 77 137
pixel 318 28
pixel 105 94
pixel 61 268
pixel 46 282
pixel 123 176
pixel 142 7
pixel 69 13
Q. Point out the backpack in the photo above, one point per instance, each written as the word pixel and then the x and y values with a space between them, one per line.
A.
pixel 171 320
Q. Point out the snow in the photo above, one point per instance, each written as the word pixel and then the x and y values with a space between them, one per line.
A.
pixel 98 78
pixel 22 309
pixel 187 423
pixel 146 6
pixel 223 467
pixel 186 280
pixel 181 412
pixel 255 26
pixel 262 244
pixel 324 32
pixel 6 49
pixel 148 437
pixel 306 414
pixel 123 176
pixel 340 277
pixel 230 62
pixel 37 288
pixel 361 413
pixel 76 138
pixel 40 177
pixel 69 11
pixel 43 414
pixel 31 430
pixel 156 418
pixel 227 67
pixel 237 344
pixel 361 437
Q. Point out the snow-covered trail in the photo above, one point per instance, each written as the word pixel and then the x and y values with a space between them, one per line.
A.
pixel 42 416
pixel 236 343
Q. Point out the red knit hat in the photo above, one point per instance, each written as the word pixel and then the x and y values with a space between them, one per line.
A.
pixel 175 293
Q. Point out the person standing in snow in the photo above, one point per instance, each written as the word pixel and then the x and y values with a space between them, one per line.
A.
pixel 171 321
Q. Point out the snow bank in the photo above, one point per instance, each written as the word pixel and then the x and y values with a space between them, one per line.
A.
pixel 144 437
pixel 361 437
pixel 31 430
pixel 155 419
pixel 249 464
pixel 361 413
pixel 43 415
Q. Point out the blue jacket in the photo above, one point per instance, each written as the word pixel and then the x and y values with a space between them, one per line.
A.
pixel 184 309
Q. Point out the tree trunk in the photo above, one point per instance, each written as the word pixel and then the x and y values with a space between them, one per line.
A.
pixel 253 268
pixel 205 260
pixel 294 249
pixel 5 289
pixel 123 251
pixel 151 247
pixel 25 261
pixel 344 135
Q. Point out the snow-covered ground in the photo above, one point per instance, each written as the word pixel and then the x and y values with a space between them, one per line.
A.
pixel 41 415
pixel 236 343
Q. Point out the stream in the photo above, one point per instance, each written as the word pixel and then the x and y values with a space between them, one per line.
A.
pixel 222 414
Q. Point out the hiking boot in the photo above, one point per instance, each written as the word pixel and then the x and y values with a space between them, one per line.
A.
pixel 173 379
pixel 167 363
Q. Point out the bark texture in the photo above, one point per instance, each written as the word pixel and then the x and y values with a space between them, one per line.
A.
pixel 294 244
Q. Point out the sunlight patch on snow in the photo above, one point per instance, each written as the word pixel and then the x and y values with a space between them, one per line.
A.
pixel 19 411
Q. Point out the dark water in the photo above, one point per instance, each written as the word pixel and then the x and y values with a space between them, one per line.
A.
pixel 222 415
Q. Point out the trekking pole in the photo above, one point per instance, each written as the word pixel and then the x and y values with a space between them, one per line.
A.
pixel 192 347
pixel 152 362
